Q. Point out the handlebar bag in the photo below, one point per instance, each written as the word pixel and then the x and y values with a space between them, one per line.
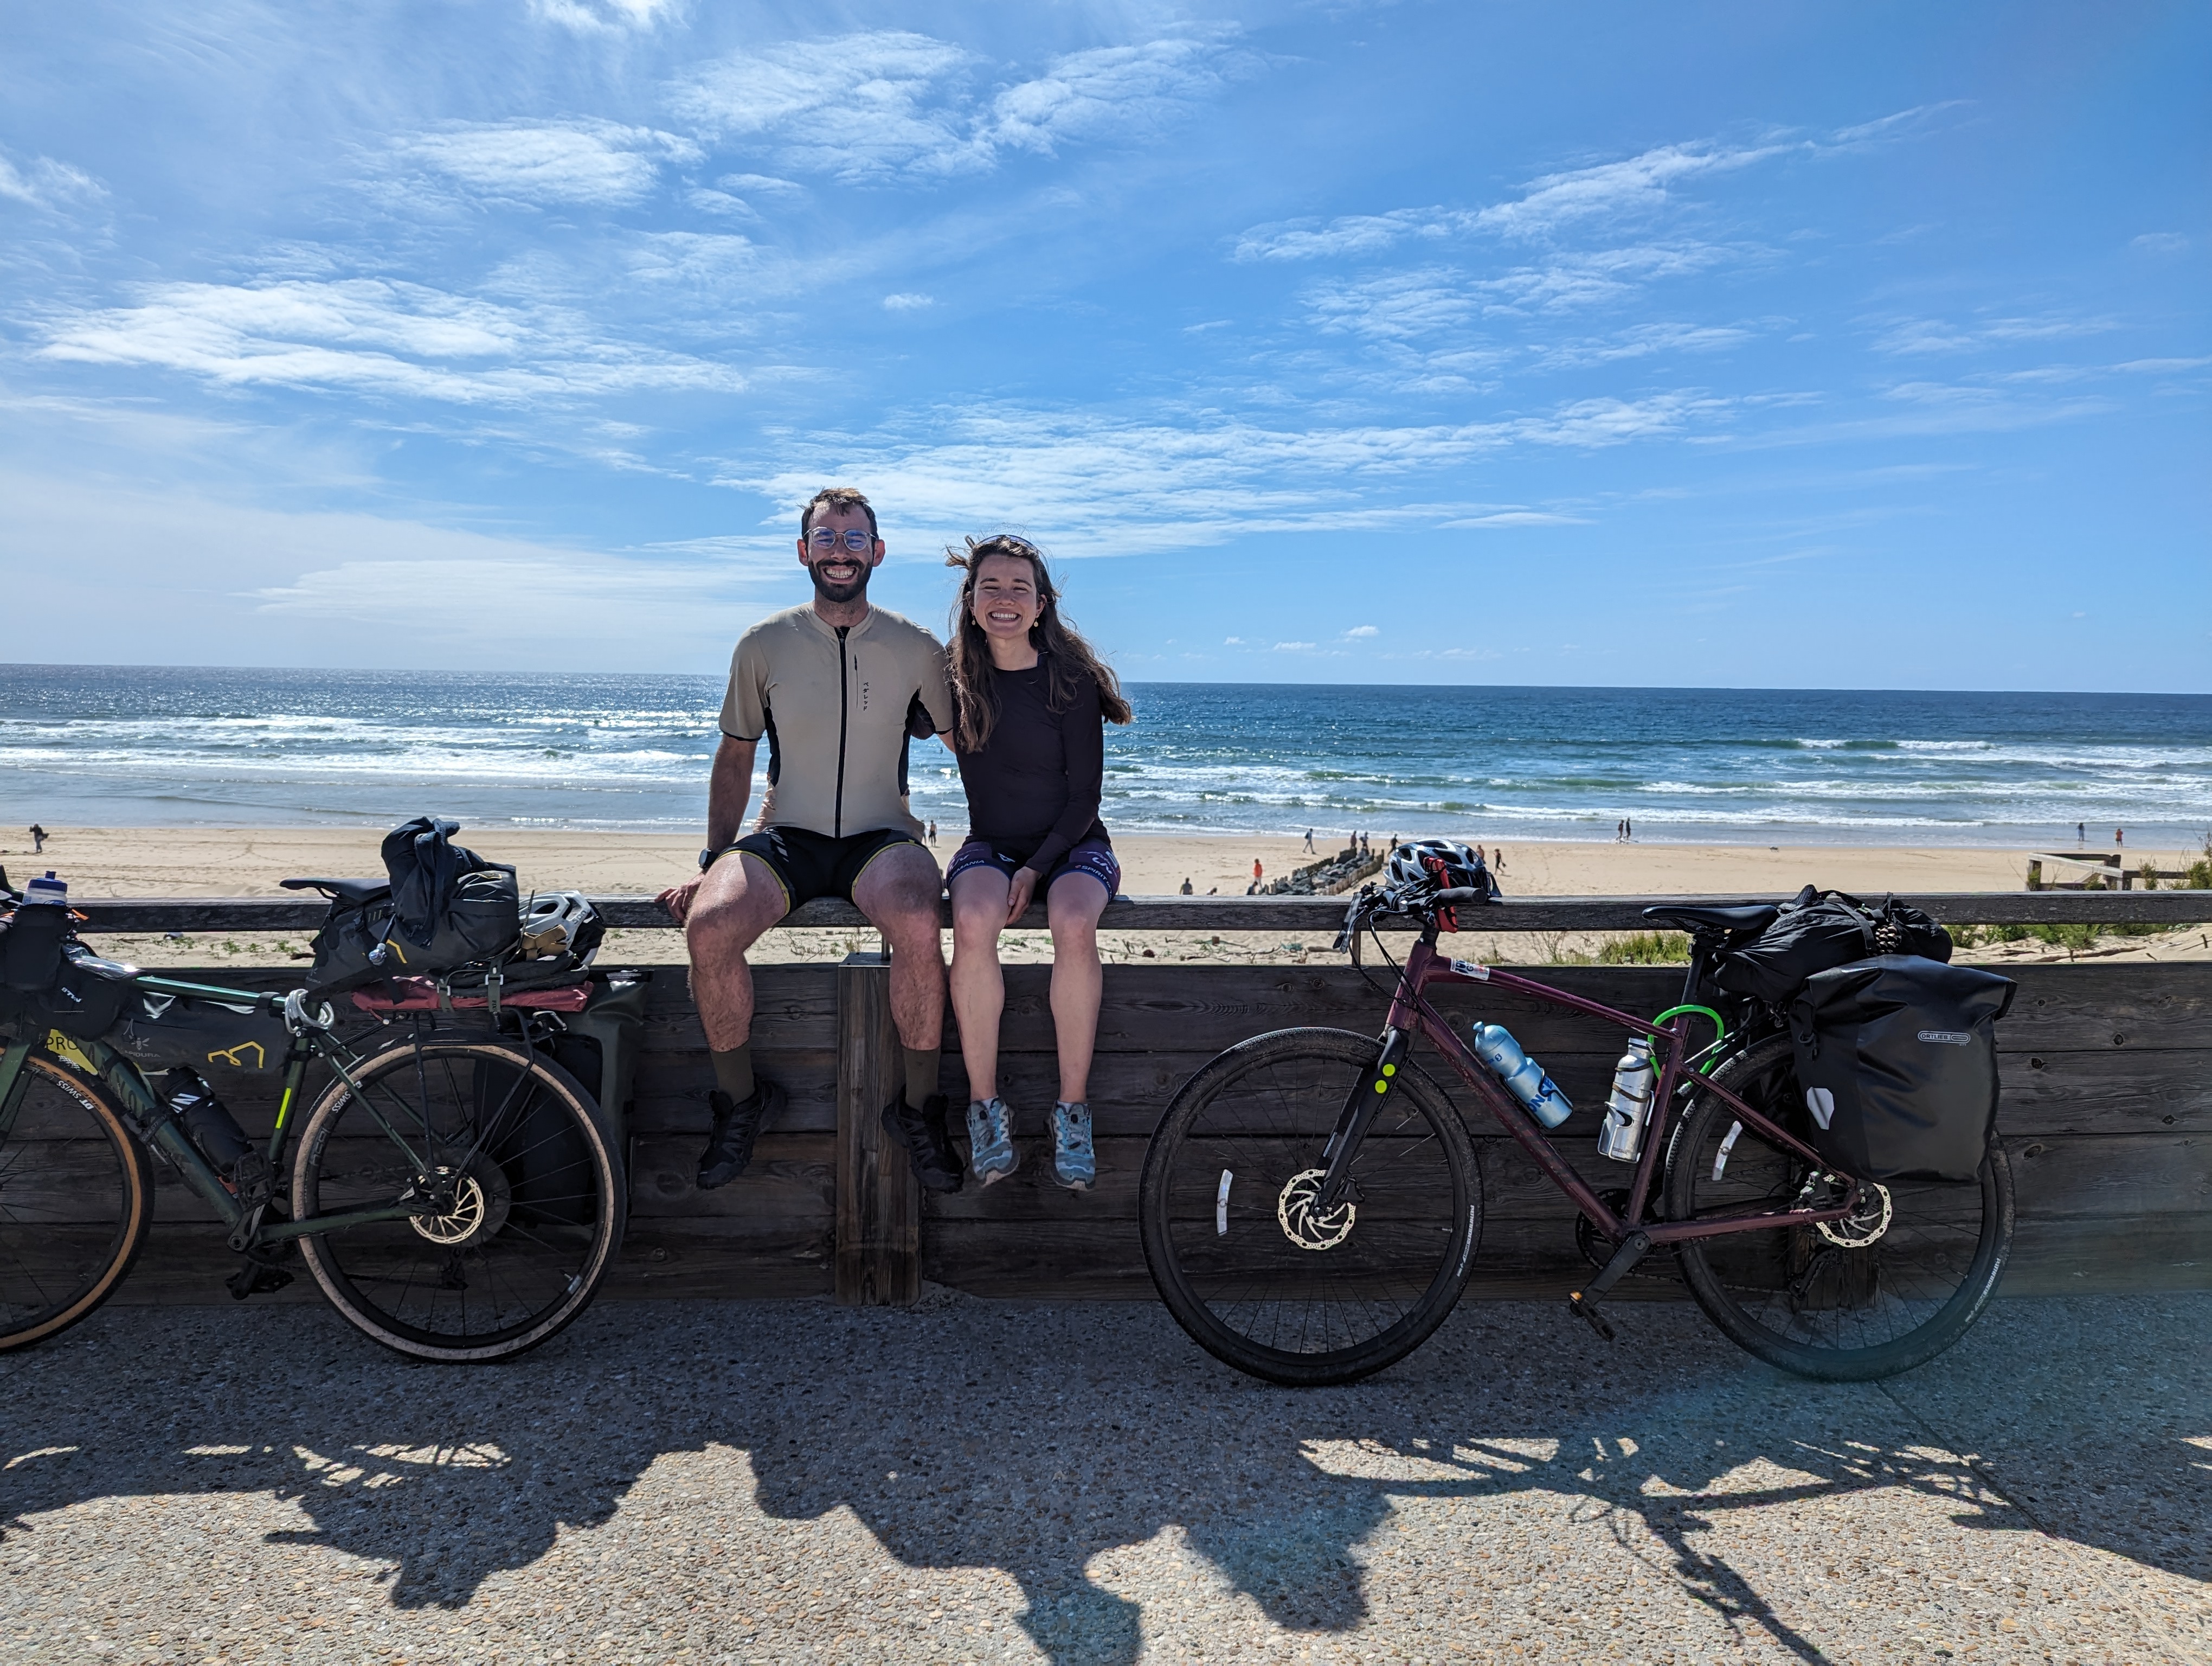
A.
pixel 77 1001
pixel 1820 929
pixel 161 1030
pixel 1897 1062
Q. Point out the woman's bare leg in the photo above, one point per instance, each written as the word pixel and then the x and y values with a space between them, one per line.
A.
pixel 1072 908
pixel 979 986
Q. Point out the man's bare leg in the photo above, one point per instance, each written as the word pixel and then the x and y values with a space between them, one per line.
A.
pixel 899 894
pixel 739 899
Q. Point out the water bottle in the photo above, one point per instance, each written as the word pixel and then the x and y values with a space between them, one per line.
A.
pixel 47 890
pixel 1621 1135
pixel 207 1119
pixel 1522 1076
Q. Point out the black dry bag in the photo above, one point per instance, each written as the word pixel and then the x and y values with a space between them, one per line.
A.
pixel 1819 929
pixel 449 906
pixel 1897 1059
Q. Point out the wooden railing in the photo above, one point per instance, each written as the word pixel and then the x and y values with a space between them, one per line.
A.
pixel 2106 1109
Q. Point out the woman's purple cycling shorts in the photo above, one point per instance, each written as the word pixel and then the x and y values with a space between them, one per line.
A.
pixel 1093 857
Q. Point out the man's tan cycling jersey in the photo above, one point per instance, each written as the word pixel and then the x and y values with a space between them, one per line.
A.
pixel 834 713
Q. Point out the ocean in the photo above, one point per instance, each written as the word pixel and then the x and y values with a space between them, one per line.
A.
pixel 94 745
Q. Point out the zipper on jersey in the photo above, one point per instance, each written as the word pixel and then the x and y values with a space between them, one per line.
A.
pixel 844 712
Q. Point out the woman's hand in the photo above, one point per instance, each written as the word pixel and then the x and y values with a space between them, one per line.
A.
pixel 1019 891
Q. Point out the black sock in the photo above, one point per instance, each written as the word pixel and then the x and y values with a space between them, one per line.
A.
pixel 733 1071
pixel 921 1073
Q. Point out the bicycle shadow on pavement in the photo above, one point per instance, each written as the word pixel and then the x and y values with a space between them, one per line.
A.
pixel 1044 1441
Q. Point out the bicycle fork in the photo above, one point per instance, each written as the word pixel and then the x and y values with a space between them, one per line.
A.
pixel 1360 1104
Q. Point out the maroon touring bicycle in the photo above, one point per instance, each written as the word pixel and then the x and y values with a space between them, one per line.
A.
pixel 1311 1203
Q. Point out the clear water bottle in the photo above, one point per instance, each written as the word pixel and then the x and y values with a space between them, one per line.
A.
pixel 47 890
pixel 1629 1106
pixel 1522 1076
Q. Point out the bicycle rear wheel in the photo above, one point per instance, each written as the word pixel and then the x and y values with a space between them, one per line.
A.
pixel 76 1196
pixel 528 1201
pixel 1258 1276
pixel 1862 1298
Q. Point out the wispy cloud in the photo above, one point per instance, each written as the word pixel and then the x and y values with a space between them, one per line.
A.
pixel 606 16
pixel 373 336
pixel 1365 630
pixel 596 162
pixel 1920 335
pixel 44 183
pixel 886 103
pixel 909 302
pixel 1634 187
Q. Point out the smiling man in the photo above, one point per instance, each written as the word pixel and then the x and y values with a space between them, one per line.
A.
pixel 837 687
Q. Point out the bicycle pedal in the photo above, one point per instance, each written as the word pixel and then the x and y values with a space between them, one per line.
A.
pixel 1587 1310
pixel 255 1280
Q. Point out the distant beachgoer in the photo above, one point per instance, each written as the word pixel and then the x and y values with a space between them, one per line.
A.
pixel 1497 860
pixel 1033 701
pixel 2119 835
pixel 1186 886
pixel 1252 889
pixel 933 832
pixel 1310 849
pixel 1258 874
pixel 2081 835
pixel 1213 890
pixel 840 828
pixel 38 838
pixel 1628 829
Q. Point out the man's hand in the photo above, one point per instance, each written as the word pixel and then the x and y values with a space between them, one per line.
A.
pixel 676 899
pixel 1019 893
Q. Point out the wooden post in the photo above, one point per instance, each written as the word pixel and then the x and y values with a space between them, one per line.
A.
pixel 879 1200
pixel 2035 876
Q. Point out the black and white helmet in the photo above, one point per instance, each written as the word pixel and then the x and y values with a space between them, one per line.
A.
pixel 561 922
pixel 1445 863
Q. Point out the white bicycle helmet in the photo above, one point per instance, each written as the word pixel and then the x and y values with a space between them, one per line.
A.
pixel 1445 863
pixel 561 922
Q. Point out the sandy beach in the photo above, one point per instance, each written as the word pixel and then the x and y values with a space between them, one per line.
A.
pixel 249 862
pixel 195 861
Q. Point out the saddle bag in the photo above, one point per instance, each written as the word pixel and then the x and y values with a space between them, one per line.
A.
pixel 350 934
pixel 1820 929
pixel 1897 1060
pixel 158 1031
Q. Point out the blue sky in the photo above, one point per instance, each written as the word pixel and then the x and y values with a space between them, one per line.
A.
pixel 1757 344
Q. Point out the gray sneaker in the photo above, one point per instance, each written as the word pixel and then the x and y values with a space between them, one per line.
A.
pixel 1073 1164
pixel 991 1140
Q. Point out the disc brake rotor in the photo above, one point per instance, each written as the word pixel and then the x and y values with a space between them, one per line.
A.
pixel 482 1198
pixel 1306 1226
pixel 1864 1225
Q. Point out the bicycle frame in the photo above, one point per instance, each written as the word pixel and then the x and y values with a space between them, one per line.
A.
pixel 1410 1015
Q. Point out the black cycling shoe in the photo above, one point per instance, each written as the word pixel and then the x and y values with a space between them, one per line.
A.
pixel 730 1148
pixel 927 1144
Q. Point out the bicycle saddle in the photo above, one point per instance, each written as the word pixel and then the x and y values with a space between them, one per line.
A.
pixel 342 891
pixel 1714 917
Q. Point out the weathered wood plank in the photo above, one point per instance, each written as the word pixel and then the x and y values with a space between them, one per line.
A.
pixel 1309 917
pixel 793 1178
pixel 878 1217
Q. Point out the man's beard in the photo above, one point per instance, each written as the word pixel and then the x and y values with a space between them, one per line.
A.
pixel 839 593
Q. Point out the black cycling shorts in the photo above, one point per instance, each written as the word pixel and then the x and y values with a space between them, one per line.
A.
pixel 808 864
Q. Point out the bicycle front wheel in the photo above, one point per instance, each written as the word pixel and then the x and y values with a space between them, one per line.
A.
pixel 526 1205
pixel 1867 1296
pixel 1257 1274
pixel 76 1195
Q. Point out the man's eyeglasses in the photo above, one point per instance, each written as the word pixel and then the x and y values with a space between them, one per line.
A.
pixel 822 540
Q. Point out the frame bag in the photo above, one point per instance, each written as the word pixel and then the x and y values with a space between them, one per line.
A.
pixel 159 1030
pixel 1897 1060
pixel 1819 929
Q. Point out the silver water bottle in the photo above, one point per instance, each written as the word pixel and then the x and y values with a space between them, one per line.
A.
pixel 1620 1136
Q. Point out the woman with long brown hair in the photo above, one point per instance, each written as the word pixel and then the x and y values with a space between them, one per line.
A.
pixel 1031 699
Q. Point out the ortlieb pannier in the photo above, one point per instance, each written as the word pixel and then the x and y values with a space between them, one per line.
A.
pixel 1819 929
pixel 160 1030
pixel 1896 1060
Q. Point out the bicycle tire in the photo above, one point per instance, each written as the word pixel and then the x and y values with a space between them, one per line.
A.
pixel 1290 1296
pixel 537 1198
pixel 1792 1298
pixel 77 1199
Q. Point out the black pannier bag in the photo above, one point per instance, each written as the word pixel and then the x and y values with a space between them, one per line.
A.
pixel 1896 1060
pixel 449 906
pixel 1819 929
pixel 159 1030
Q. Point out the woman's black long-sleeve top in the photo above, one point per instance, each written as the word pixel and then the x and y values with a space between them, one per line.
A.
pixel 1034 789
